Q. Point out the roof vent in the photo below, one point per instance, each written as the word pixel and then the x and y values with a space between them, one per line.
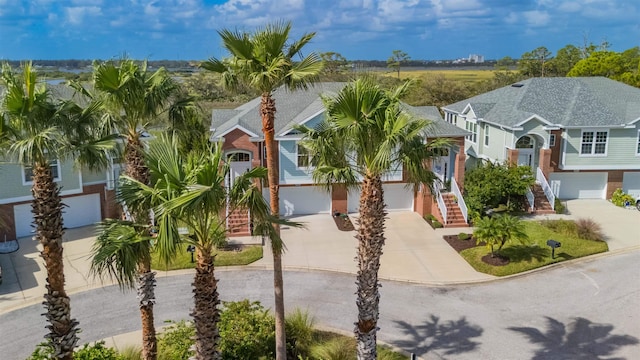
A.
pixel 518 85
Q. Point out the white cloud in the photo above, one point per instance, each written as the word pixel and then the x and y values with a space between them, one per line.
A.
pixel 570 6
pixel 76 14
pixel 536 18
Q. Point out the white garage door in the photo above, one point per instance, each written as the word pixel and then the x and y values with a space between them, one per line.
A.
pixel 302 200
pixel 80 211
pixel 579 185
pixel 396 197
pixel 631 183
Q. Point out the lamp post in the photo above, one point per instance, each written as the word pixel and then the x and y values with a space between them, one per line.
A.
pixel 191 249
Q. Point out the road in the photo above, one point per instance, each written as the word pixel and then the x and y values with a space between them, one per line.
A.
pixel 589 309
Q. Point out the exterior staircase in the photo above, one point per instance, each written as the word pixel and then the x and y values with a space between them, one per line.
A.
pixel 541 204
pixel 238 223
pixel 454 215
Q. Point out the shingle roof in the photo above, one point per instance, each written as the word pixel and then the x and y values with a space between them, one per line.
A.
pixel 297 106
pixel 292 107
pixel 571 102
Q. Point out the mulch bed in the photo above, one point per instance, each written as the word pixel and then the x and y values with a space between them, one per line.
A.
pixel 459 245
pixel 343 223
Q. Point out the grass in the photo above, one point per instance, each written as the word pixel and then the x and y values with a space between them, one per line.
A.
pixel 464 75
pixel 536 253
pixel 331 346
pixel 246 255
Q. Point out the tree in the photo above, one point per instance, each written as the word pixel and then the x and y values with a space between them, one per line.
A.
pixel 133 99
pixel 265 60
pixel 498 230
pixel 366 136
pixel 186 191
pixel 396 59
pixel 532 63
pixel 334 64
pixel 35 131
pixel 491 184
pixel 565 59
pixel 505 63
pixel 623 66
pixel 436 90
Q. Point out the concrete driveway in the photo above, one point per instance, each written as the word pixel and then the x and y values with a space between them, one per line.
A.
pixel 621 226
pixel 413 251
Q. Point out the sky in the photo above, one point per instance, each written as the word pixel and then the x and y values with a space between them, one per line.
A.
pixel 357 29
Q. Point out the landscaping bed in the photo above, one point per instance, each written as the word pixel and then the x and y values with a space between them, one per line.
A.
pixel 518 257
pixel 343 222
pixel 228 255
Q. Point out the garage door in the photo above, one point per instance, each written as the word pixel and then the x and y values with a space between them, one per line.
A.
pixel 631 183
pixel 396 197
pixel 81 211
pixel 579 185
pixel 302 200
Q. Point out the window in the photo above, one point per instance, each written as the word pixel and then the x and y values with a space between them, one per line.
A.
pixel 552 140
pixel 27 172
pixel 239 156
pixel 486 134
pixel 472 127
pixel 304 157
pixel 450 118
pixel 594 143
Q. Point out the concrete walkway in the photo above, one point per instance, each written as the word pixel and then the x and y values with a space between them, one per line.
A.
pixel 414 252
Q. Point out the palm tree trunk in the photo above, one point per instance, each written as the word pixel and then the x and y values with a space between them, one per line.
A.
pixel 146 282
pixel 370 242
pixel 47 214
pixel 268 112
pixel 205 313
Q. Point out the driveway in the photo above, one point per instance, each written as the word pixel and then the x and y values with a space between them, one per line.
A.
pixel 621 226
pixel 413 250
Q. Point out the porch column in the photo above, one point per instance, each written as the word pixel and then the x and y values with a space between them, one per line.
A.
pixel 545 162
pixel 423 203
pixel 512 156
pixel 338 198
pixel 458 173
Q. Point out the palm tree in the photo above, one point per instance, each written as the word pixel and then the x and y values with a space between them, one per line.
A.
pixel 366 136
pixel 265 61
pixel 38 130
pixel 133 99
pixel 498 230
pixel 186 192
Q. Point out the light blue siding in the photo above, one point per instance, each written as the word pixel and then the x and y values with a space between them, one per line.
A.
pixel 289 171
pixel 621 150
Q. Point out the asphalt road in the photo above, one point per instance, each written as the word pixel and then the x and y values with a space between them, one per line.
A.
pixel 585 310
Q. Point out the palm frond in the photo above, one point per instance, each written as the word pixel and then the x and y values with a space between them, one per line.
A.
pixel 119 247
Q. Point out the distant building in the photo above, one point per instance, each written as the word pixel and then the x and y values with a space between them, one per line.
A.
pixel 475 58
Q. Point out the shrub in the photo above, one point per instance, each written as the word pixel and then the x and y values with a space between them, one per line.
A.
pixel 299 329
pixel 436 224
pixel 463 236
pixel 96 351
pixel 566 227
pixel 176 341
pixel 619 198
pixel 558 206
pixel 429 217
pixel 246 331
pixel 131 353
pixel 338 348
pixel 589 230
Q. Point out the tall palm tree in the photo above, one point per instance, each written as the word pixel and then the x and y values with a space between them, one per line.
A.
pixel 189 192
pixel 133 99
pixel 367 135
pixel 38 130
pixel 266 60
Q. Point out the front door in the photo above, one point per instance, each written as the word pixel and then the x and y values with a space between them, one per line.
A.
pixel 525 157
pixel 239 163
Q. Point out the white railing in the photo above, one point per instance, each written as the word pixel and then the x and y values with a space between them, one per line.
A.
pixel 530 198
pixel 437 187
pixel 461 204
pixel 542 180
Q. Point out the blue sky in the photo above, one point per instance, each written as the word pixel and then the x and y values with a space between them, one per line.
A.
pixel 358 29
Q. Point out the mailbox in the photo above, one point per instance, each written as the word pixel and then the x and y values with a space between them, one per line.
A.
pixel 191 249
pixel 553 244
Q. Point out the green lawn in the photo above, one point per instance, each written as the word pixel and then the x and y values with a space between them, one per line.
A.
pixel 246 255
pixel 534 254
